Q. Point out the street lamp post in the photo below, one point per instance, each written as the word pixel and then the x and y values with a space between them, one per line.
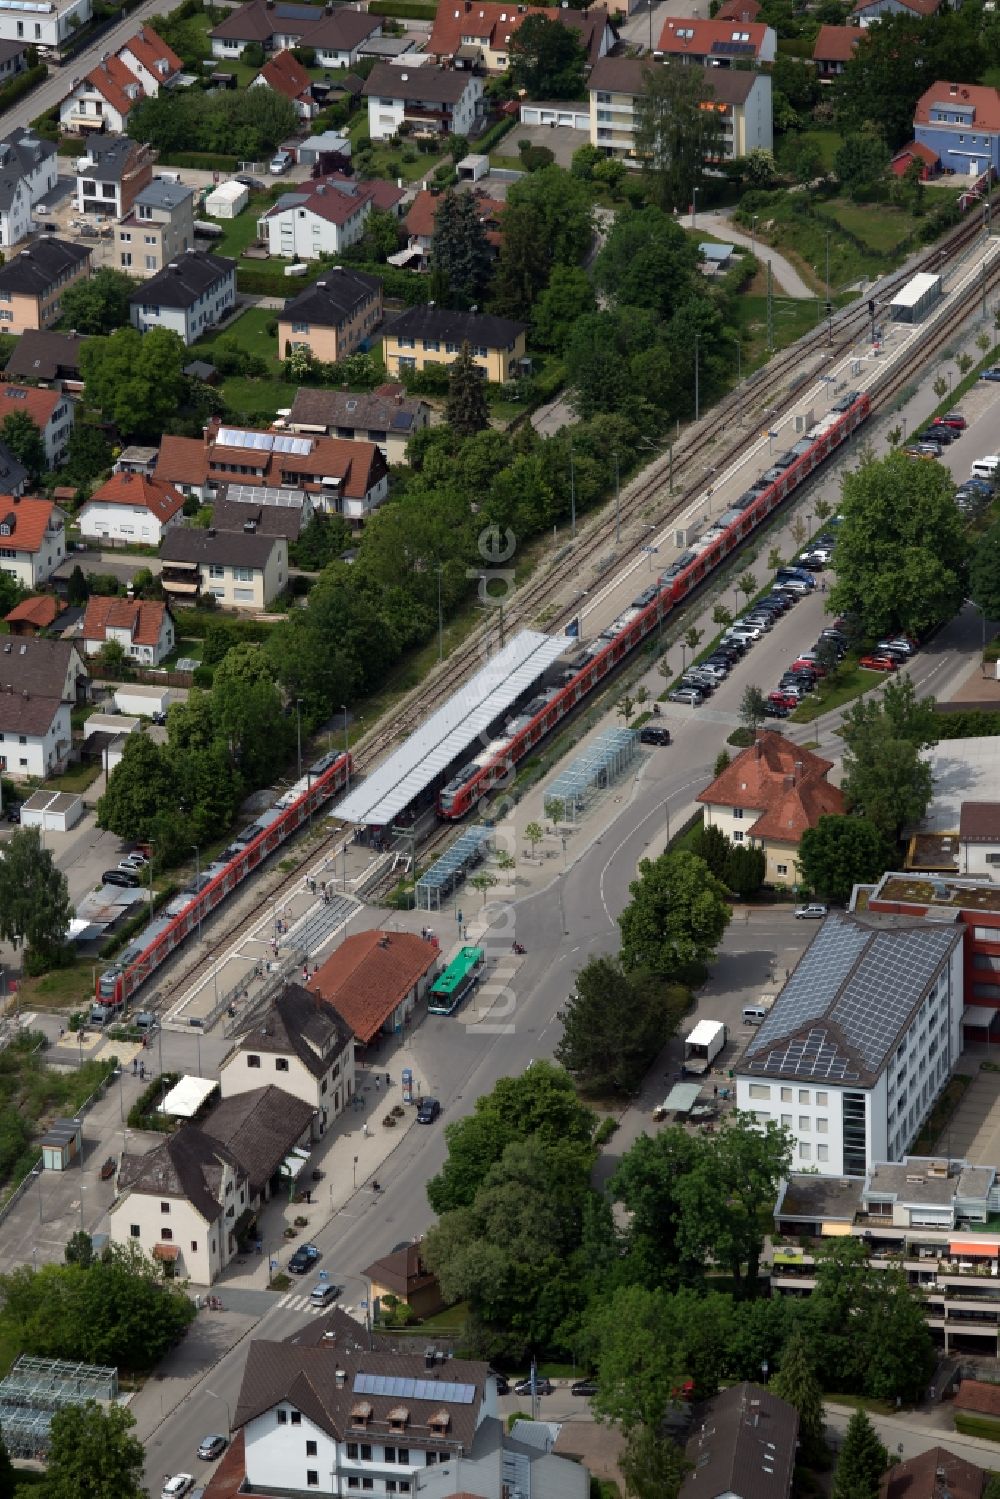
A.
pixel 618 500
pixel 694 206
pixel 197 881
pixel 347 748
pixel 440 570
pixel 697 399
pixel 229 1419
pixel 572 492
pixel 298 737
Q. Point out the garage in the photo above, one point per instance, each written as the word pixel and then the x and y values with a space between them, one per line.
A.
pixel 52 811
pixel 575 118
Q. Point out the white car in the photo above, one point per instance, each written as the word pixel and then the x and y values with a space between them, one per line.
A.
pixel 174 1487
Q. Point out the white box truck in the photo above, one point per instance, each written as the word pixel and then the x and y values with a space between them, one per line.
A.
pixel 703 1045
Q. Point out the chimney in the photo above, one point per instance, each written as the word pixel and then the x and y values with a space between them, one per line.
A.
pixel 797 776
pixel 340 1378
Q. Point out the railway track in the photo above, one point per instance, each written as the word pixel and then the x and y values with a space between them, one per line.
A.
pixel 770 393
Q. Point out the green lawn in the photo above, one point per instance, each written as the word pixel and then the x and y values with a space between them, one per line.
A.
pixel 250 333
pixel 239 233
pixel 977 1426
pixel 792 318
pixel 257 398
pixel 77 779
pixel 852 682
pixel 252 397
pixel 389 161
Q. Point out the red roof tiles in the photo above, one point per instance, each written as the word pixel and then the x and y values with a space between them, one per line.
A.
pixel 41 611
pixel 23 523
pixel 39 404
pixel 135 490
pixel 493 25
pixel 837 43
pixel 706 36
pixel 150 49
pixel 978 1396
pixel 142 618
pixel 370 974
pixel 419 220
pixel 111 78
pixel 985 103
pixel 782 781
pixel 286 75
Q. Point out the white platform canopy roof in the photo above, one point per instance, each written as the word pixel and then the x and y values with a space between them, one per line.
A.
pixel 456 729
pixel 187 1096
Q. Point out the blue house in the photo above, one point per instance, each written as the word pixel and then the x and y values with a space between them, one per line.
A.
pixel 960 123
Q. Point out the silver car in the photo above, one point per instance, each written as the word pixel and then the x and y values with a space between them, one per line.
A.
pixel 690 696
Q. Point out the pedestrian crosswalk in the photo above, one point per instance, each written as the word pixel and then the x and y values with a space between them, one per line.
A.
pixel 297 1303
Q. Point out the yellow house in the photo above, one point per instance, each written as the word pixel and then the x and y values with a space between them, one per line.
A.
pixel 424 336
pixel 33 281
pixel 333 317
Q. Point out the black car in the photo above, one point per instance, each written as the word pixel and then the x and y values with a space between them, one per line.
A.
pixel 938 434
pixel 727 653
pixel 14 812
pixel 776 710
pixel 120 877
pixel 428 1111
pixel 542 1386
pixel 653 734
pixel 503 1383
pixel 303 1259
pixel 584 1387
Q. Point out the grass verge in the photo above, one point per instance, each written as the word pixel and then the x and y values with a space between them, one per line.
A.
pixel 977 1426
pixel 851 682
pixel 77 779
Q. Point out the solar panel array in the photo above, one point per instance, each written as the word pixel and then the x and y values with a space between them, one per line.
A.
pixel 400 1387
pixel 734 49
pixel 263 442
pixel 866 983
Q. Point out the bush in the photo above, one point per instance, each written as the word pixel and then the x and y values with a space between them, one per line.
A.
pixel 605 1130
pixel 143 1114
pixel 407 10
pixel 492 137
pixel 22 84
pixel 740 738
pixel 972 724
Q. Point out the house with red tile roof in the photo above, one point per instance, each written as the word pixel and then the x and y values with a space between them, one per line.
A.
pixel 32 538
pixel 103 99
pixel 833 49
pixel 324 217
pixel 767 798
pixel 716 44
pixel 960 124
pixel 739 10
pixel 374 980
pixel 144 628
pixel 131 508
pixel 866 12
pixel 419 220
pixel 285 75
pixel 340 477
pixel 911 152
pixel 471 33
pixel 31 616
pixel 52 411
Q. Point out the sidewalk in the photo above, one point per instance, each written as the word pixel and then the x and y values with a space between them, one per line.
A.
pixel 785 274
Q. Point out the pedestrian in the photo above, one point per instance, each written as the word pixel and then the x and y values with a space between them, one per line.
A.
pixel 142 1072
pixel 746 915
pixel 715 1091
pixel 388 1081
pixel 378 1082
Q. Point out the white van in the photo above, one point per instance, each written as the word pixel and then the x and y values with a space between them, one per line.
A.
pixel 754 1014
pixel 985 468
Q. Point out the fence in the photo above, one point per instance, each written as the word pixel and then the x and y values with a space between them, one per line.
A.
pixel 273 980
pixel 127 672
pixel 32 1176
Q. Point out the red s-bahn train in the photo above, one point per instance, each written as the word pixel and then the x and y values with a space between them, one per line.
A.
pixel 592 665
pixel 249 849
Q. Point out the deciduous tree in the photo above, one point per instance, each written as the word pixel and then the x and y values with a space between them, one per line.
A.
pixel 886 780
pixel 568 296
pixel 93 1454
pixel 647 261
pixel 841 852
pixel 99 303
pixel 753 708
pixel 675 135
pixel 547 59
pixel 652 1466
pixel 140 788
pixel 615 1023
pixel 23 437
pixel 35 908
pixel 984 573
pixel 728 1192
pixel 136 379
pixel 676 917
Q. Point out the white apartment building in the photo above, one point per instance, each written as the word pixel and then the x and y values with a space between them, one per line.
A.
pixel 191 294
pixel 46 24
pixel 35 735
pixel 859 1043
pixel 32 539
pixel 432 101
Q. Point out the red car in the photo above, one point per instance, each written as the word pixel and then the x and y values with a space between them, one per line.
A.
pixel 804 664
pixel 954 419
pixel 783 699
pixel 878 663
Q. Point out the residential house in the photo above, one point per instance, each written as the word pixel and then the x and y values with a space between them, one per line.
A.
pixel 867 12
pixel 859 1043
pixel 144 628
pixel 158 228
pixel 13 60
pixel 739 10
pixel 35 733
pixel 386 416
pixel 131 508
pixel 420 216
pixel 193 293
pixel 240 570
pixel 252 515
pixel 324 217
pixel 270 1133
pixel 403 1275
pixel 929 1217
pixel 33 616
pixel 52 411
pixel 32 539
pixel 743 1445
pixel 768 796
pixel 374 980
pixel 503 1464
pixel 14 475
pixel 33 280
pixel 430 100
pixel 315 1417
pixel 833 49
pixel 302 1047
pixel 104 98
pixel 335 34
pixel 48 668
pixel 44 356
pixel 911 152
pixel 960 124
pixel 111 175
pixel 333 317
pixel 742 97
pixel 931 1474
pixel 180 1203
pixel 476 33
pixel 979 839
pixel 46 28
pixel 427 335
pixel 28 171
pixel 284 74
pixel 339 478
pixel 716 44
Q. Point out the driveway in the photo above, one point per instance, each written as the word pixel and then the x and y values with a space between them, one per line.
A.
pixel 720 225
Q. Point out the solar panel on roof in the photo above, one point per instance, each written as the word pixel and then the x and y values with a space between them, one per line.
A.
pixel 734 49
pixel 262 442
pixel 398 1386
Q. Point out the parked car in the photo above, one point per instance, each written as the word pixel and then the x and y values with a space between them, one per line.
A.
pixel 691 697
pixel 108 1168
pixel 878 663
pixel 211 1447
pixel 993 373
pixel 584 1387
pixel 702 681
pixel 776 710
pixel 954 419
pixel 939 434
pixel 122 877
pixel 145 1020
pixel 174 1487
pixel 782 699
pixel 652 733
pixel 542 1386
pixel 14 812
pixel 813 912
pixel 899 643
pixel 503 1383
pixel 280 163
pixel 804 663
pixel 303 1259
pixel 428 1111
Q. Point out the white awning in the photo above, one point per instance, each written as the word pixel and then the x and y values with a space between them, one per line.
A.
pixel 187 1097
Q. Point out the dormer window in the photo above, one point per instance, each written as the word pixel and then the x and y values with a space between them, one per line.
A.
pixel 440 1422
pixel 398 1418
pixel 361 1413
